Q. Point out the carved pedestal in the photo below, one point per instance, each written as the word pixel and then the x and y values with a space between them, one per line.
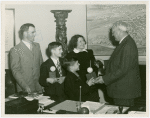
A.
pixel 61 28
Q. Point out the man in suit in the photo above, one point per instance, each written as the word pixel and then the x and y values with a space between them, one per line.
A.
pixel 25 61
pixel 53 84
pixel 122 76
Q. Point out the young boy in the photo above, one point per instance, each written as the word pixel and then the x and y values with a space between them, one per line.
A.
pixel 53 85
pixel 73 82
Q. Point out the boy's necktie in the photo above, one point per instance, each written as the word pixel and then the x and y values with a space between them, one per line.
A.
pixel 59 68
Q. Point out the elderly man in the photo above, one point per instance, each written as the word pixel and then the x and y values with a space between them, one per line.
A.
pixel 122 70
pixel 25 61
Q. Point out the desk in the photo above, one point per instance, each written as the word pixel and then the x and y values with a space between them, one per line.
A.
pixel 94 107
pixel 71 107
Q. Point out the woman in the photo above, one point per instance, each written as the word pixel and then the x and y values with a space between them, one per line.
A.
pixel 85 57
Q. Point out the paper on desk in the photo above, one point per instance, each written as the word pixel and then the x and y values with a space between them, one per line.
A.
pixel 136 112
pixel 108 107
pixel 13 96
pixel 48 111
pixel 31 97
pixel 67 105
pixel 45 100
pixel 92 106
pixel 9 99
pixel 103 110
pixel 42 98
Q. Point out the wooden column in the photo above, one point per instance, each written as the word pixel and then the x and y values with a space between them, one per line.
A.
pixel 61 16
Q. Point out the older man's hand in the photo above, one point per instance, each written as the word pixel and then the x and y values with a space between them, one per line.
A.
pixel 99 80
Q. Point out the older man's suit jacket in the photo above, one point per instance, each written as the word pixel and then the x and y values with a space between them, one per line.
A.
pixel 25 66
pixel 56 90
pixel 122 71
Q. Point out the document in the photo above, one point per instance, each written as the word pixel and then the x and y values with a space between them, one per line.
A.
pixel 67 105
pixel 92 106
pixel 114 109
pixel 45 100
pixel 136 112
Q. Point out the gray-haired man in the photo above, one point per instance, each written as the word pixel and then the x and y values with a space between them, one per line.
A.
pixel 122 70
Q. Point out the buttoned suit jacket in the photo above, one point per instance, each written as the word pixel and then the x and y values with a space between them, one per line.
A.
pixel 25 66
pixel 122 71
pixel 55 90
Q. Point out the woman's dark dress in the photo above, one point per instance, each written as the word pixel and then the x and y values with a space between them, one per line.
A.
pixel 72 85
pixel 84 60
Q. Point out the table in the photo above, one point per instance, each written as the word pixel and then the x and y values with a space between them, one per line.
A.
pixel 70 107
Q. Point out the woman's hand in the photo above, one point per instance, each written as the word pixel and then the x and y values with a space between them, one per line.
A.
pixel 90 82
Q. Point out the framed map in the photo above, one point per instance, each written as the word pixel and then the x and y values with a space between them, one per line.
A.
pixel 100 19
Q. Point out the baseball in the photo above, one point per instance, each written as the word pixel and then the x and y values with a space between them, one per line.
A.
pixel 90 70
pixel 52 68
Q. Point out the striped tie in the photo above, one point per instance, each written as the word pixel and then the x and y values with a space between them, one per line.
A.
pixel 59 68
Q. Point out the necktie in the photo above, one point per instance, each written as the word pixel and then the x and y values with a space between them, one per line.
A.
pixel 59 68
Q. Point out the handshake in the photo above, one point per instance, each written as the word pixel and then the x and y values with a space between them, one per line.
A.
pixel 92 81
pixel 60 80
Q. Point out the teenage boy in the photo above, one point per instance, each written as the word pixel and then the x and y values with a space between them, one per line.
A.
pixel 53 85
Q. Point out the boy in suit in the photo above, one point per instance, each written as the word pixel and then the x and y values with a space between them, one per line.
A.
pixel 25 61
pixel 73 82
pixel 53 86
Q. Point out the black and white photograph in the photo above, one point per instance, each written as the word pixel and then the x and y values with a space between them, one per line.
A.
pixel 75 58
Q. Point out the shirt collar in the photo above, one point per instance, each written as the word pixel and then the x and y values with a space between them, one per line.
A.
pixel 77 51
pixel 122 39
pixel 54 60
pixel 26 43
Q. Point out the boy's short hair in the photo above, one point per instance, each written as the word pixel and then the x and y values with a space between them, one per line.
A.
pixel 53 45
pixel 69 62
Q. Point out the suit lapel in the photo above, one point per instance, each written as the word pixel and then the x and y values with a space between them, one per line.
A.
pixel 51 63
pixel 60 60
pixel 26 49
pixel 33 50
pixel 117 49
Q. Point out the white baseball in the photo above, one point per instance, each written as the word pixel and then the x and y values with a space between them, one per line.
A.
pixel 52 68
pixel 90 70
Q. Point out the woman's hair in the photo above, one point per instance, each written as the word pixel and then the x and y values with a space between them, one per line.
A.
pixel 73 42
pixel 69 62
